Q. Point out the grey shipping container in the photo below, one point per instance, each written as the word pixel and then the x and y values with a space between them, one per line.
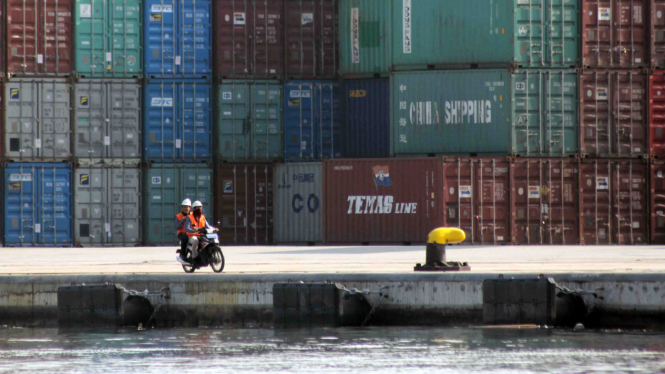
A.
pixel 298 203
pixel 526 113
pixel 107 208
pixel 107 118
pixel 37 115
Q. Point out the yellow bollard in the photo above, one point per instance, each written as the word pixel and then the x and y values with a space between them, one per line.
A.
pixel 435 255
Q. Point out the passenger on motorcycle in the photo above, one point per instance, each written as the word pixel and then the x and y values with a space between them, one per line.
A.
pixel 195 227
pixel 180 220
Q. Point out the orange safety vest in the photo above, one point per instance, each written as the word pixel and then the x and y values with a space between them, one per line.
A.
pixel 196 224
pixel 179 217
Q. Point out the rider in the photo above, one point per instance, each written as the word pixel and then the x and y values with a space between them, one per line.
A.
pixel 195 226
pixel 180 220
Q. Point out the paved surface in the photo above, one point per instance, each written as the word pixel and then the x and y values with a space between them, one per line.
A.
pixel 358 259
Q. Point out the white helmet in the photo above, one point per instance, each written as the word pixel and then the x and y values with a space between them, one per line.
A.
pixel 187 202
pixel 197 204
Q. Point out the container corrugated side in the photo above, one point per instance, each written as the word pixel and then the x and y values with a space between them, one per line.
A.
pixel 38 38
pixel 614 202
pixel 249 121
pixel 657 203
pixel 38 205
pixel 311 39
pixel 244 207
pixel 107 208
pixel 248 39
pixel 657 34
pixel 178 38
pixel 298 203
pixel 615 34
pixel 365 28
pixel 177 117
pixel 381 200
pixel 312 120
pixel 657 114
pixel 613 120
pixel 476 196
pixel 107 119
pixel 366 111
pixel 37 120
pixel 165 186
pixel 108 38
pixel 544 201
pixel 450 112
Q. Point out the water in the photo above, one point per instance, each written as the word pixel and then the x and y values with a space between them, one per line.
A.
pixel 368 350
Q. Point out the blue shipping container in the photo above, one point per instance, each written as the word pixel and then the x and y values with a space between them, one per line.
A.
pixel 312 120
pixel 38 205
pixel 177 38
pixel 177 121
pixel 366 130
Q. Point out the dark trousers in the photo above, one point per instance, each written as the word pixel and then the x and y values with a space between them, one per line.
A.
pixel 183 244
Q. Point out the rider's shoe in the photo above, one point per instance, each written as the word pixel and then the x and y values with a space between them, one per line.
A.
pixel 182 261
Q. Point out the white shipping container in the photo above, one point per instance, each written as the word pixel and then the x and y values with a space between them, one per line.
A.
pixel 298 203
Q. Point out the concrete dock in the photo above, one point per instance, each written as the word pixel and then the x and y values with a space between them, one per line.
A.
pixel 629 281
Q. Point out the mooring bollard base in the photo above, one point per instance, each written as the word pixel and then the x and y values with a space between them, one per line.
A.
pixel 435 260
pixel 448 266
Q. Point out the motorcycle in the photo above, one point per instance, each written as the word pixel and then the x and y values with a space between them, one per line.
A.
pixel 210 253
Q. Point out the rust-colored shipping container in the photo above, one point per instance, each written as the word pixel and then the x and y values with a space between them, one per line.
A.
pixel 544 199
pixel 244 203
pixel 657 114
pixel 658 203
pixel 657 37
pixel 248 39
pixel 39 38
pixel 476 198
pixel 311 31
pixel 381 200
pixel 613 121
pixel 614 34
pixel 614 202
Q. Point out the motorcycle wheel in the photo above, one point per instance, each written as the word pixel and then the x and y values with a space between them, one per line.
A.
pixel 217 260
pixel 189 268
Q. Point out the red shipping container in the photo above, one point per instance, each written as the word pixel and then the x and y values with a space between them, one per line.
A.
pixel 248 39
pixel 545 201
pixel 244 203
pixel 476 198
pixel 657 115
pixel 613 202
pixel 613 105
pixel 311 31
pixel 614 34
pixel 381 200
pixel 39 38
pixel 658 203
pixel 657 12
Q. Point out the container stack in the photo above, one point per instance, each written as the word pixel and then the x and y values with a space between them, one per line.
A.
pixel 177 112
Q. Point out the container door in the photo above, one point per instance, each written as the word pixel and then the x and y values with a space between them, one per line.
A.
pixel 266 122
pixel 125 39
pixel 328 120
pixel 614 33
pixel 491 202
pixel 123 200
pixel 559 196
pixel 630 203
pixel 234 109
pixel 658 203
pixel 162 41
pixel 195 38
pixel 21 206
pixel 246 204
pixel 54 227
pixel 90 207
pixel 657 12
pixel 366 117
pixel 124 108
pixel 298 203
pixel 546 33
pixel 194 137
pixel 527 188
pixel 56 42
pixel 161 125
pixel 90 124
pixel 91 39
pixel 299 122
pixel 596 204
pixel 459 189
pixel 657 115
pixel 232 38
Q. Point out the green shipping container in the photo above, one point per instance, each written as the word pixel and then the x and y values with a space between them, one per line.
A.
pixel 456 34
pixel 108 38
pixel 530 113
pixel 165 186
pixel 249 121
